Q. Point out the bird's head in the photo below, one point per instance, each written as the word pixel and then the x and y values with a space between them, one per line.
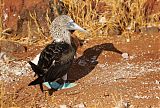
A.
pixel 62 27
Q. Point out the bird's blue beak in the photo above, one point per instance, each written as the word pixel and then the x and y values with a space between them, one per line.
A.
pixel 73 26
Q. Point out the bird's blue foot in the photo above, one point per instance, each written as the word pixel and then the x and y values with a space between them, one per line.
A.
pixel 57 86
pixel 51 85
pixel 67 85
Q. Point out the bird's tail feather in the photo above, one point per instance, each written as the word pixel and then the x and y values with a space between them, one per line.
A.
pixel 39 81
pixel 36 69
pixel 40 73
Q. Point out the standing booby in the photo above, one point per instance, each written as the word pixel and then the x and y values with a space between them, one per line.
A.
pixel 57 57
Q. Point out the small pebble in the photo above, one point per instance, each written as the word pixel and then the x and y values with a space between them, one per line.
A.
pixel 125 55
pixel 128 40
pixel 106 94
pixel 122 104
pixel 102 20
pixel 63 106
pixel 81 105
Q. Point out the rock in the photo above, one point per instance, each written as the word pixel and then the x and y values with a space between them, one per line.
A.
pixel 150 30
pixel 125 55
pixel 81 105
pixel 102 20
pixel 4 57
pixel 137 28
pixel 63 106
pixel 115 31
pixel 9 47
pixel 15 14
pixel 128 40
pixel 122 104
pixel 106 94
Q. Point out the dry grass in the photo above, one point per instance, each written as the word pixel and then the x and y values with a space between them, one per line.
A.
pixel 85 14
pixel 39 28
pixel 117 13
pixel 99 17
pixel 1 7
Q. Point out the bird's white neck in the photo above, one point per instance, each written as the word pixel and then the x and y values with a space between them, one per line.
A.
pixel 64 38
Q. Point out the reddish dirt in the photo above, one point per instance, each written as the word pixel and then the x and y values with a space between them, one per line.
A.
pixel 104 79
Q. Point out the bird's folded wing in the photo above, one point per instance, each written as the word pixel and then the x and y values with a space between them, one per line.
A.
pixel 51 54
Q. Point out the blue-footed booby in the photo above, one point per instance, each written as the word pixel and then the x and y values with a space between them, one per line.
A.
pixel 56 58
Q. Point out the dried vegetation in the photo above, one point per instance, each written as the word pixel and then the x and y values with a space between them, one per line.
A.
pixel 107 17
pixel 99 17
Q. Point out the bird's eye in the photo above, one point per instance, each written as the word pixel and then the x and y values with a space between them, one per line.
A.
pixel 70 24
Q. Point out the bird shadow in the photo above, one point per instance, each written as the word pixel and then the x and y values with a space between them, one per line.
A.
pixel 88 61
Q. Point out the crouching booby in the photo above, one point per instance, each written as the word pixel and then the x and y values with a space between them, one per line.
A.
pixel 57 57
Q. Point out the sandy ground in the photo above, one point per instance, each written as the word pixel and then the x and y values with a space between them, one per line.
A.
pixel 104 78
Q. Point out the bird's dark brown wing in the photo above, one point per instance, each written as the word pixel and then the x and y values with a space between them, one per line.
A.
pixel 55 60
pixel 52 54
